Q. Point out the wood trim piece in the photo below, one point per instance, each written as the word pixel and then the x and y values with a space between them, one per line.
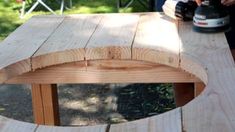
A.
pixel 37 103
pixel 106 71
pixel 45 104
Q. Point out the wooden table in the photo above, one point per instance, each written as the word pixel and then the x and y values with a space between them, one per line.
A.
pixel 121 48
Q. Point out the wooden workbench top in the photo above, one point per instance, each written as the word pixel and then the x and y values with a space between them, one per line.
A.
pixel 46 41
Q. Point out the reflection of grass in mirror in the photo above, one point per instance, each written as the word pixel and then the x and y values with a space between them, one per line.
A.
pixel 9 11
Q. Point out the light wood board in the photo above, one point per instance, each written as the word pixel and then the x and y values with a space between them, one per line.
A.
pixel 97 128
pixel 167 122
pixel 19 46
pixel 113 37
pixel 67 43
pixel 157 40
pixel 213 110
pixel 106 71
pixel 9 125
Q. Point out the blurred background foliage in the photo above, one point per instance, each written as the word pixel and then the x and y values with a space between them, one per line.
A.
pixel 10 11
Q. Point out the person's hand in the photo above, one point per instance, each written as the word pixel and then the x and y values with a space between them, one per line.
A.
pixel 228 2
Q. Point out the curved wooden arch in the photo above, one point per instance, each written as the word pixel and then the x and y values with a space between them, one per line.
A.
pixel 149 37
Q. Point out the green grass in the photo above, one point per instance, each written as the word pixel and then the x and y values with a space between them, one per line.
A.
pixel 9 11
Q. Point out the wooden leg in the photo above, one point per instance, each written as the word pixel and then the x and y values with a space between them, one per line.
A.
pixel 198 87
pixel 45 104
pixel 184 92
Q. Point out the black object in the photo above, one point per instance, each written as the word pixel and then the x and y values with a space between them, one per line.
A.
pixel 185 11
pixel 230 35
pixel 211 17
pixel 156 5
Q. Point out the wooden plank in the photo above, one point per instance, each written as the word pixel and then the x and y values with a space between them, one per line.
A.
pixel 213 110
pixel 50 104
pixel 184 93
pixel 9 125
pixel 19 46
pixel 106 71
pixel 198 87
pixel 151 42
pixel 97 128
pixel 198 48
pixel 68 42
pixel 167 122
pixel 113 37
pixel 45 104
pixel 38 112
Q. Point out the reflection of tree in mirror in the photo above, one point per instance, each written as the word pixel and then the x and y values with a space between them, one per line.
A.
pixel 142 100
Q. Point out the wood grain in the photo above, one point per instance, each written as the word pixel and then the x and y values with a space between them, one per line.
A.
pixel 19 46
pixel 37 104
pixel 97 128
pixel 9 125
pixel 67 43
pixel 200 51
pixel 167 122
pixel 106 71
pixel 113 37
pixel 45 104
pixel 212 110
pixel 157 40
